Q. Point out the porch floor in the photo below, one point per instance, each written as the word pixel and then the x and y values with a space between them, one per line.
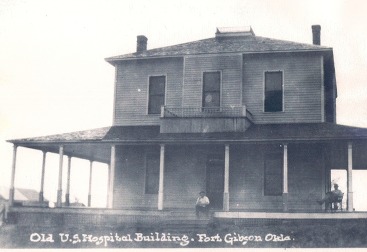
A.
pixel 291 215
pixel 111 217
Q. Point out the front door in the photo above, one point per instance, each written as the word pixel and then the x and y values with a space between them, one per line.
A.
pixel 215 182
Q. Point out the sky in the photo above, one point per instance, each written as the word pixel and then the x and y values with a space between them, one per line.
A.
pixel 54 79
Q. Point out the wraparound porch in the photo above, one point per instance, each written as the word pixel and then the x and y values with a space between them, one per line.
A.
pixel 104 147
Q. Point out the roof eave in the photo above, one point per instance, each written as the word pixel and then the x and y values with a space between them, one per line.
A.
pixel 113 60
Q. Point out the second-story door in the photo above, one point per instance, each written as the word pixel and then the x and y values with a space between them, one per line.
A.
pixel 211 90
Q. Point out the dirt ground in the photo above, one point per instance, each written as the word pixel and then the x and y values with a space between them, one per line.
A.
pixel 316 234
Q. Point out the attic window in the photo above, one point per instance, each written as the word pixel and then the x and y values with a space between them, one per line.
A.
pixel 234 31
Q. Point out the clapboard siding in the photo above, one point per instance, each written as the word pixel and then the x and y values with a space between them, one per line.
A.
pixel 132 79
pixel 302 82
pixel 230 68
pixel 305 165
pixel 185 176
pixel 129 185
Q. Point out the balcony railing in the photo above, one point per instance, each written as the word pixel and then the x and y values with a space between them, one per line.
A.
pixel 188 112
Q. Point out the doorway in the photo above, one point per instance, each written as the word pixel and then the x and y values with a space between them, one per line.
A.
pixel 215 181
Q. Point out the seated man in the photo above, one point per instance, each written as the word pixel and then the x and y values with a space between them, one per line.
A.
pixel 202 204
pixel 332 197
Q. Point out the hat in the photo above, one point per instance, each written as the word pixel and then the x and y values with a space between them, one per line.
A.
pixel 201 192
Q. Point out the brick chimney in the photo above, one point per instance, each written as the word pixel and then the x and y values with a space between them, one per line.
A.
pixel 316 36
pixel 141 43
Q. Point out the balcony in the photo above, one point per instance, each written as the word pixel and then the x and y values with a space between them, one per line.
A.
pixel 203 120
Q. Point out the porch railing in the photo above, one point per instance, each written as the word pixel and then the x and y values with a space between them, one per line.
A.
pixel 187 112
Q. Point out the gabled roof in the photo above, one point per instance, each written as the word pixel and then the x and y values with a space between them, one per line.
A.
pixel 242 44
pixel 20 194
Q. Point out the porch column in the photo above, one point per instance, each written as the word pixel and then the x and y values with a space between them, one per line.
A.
pixel 11 190
pixel 108 183
pixel 59 188
pixel 285 177
pixel 226 179
pixel 111 176
pixel 161 178
pixel 350 178
pixel 67 195
pixel 90 183
pixel 41 198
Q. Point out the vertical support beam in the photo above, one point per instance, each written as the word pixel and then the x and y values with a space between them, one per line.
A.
pixel 350 178
pixel 11 190
pixel 161 178
pixel 90 184
pixel 108 183
pixel 285 177
pixel 59 187
pixel 226 179
pixel 111 176
pixel 67 194
pixel 41 198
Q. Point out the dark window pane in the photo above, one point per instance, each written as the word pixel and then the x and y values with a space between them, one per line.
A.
pixel 157 85
pixel 212 99
pixel 273 92
pixel 155 104
pixel 152 173
pixel 212 81
pixel 273 177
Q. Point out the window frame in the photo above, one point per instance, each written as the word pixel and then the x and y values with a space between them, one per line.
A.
pixel 264 90
pixel 220 87
pixel 149 96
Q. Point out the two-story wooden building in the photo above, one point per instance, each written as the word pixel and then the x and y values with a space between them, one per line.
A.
pixel 248 119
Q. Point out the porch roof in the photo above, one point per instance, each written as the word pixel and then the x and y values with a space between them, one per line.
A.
pixel 95 144
pixel 151 134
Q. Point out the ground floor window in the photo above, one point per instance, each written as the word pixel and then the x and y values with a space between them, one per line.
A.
pixel 273 174
pixel 152 173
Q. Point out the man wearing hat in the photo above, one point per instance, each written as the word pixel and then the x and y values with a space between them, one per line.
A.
pixel 202 204
pixel 331 197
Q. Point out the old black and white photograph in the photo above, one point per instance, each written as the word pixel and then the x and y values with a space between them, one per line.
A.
pixel 183 124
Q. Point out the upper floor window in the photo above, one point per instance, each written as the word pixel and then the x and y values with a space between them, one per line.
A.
pixel 273 91
pixel 211 89
pixel 157 86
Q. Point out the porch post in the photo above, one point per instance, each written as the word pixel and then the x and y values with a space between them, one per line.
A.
pixel 90 183
pixel 161 178
pixel 285 177
pixel 350 178
pixel 108 184
pixel 111 176
pixel 42 176
pixel 59 188
pixel 11 190
pixel 67 195
pixel 226 179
